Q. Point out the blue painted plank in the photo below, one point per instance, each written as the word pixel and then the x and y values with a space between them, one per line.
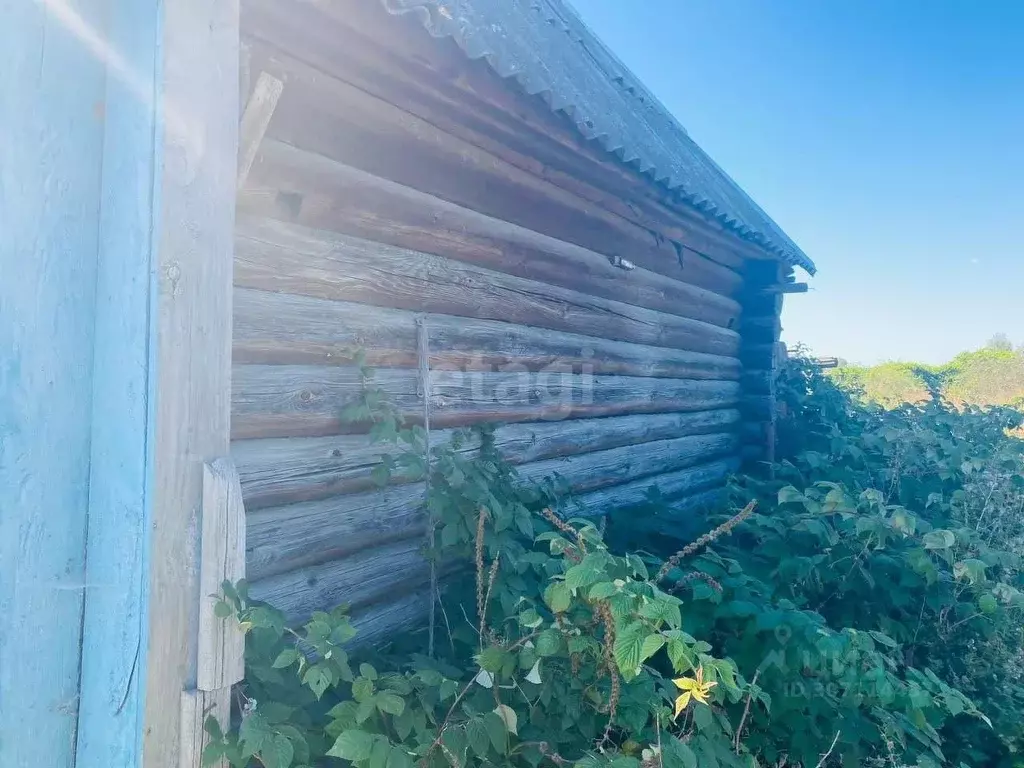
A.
pixel 51 131
pixel 116 623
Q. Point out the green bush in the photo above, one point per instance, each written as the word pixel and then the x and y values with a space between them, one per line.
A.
pixel 860 605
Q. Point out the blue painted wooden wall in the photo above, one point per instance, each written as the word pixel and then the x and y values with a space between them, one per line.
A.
pixel 78 131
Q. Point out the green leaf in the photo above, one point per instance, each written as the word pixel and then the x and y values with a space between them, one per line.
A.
pixel 789 495
pixel 677 754
pixel 318 678
pixel 940 539
pixel 352 745
pixel 602 590
pixel 222 610
pixel 652 644
pixel 367 671
pixel 479 741
pixel 286 658
pixel 362 689
pixel 496 730
pixel 629 644
pixel 988 604
pixel 558 597
pixel 390 703
pixel 586 572
pixel 508 717
pixel 399 758
pixel 548 642
pixel 530 619
pixel 277 752
pixel 492 658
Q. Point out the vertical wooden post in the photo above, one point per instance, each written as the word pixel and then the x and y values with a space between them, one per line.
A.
pixel 198 94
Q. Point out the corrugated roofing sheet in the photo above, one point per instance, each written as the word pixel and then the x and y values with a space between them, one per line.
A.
pixel 548 49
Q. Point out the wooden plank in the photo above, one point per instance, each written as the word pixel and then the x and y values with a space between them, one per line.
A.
pixel 258 111
pixel 294 185
pixel 294 400
pixel 279 328
pixel 280 471
pixel 785 288
pixel 272 255
pixel 327 116
pixel 50 178
pixel 221 645
pixel 359 579
pixel 281 539
pixel 198 90
pixel 468 99
pixel 195 707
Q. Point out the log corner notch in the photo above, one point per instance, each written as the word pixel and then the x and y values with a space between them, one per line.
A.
pixel 220 662
pixel 762 352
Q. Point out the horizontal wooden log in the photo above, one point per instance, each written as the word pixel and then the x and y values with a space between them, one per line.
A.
pixel 392 59
pixel 327 116
pixel 361 578
pixel 685 482
pixel 298 535
pixel 344 199
pixel 295 400
pixel 590 471
pixel 276 256
pixel 280 328
pixel 282 539
pixel 675 518
pixel 377 624
pixel 281 471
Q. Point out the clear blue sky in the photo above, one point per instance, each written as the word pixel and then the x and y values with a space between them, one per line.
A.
pixel 885 136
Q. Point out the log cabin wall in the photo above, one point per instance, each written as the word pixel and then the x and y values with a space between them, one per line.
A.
pixel 561 293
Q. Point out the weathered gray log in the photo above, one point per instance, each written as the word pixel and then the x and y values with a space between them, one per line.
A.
pixel 280 471
pixel 344 199
pixel 294 400
pixel 686 482
pixel 281 328
pixel 330 117
pixel 378 623
pixel 758 407
pixel 590 471
pixel 306 533
pixel 277 256
pixel 360 578
pixel 281 539
pixel 397 63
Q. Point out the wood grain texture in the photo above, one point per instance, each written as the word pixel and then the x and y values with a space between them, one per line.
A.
pixel 280 471
pixel 272 255
pixel 195 707
pixel 293 400
pixel 221 645
pixel 285 538
pixel 329 117
pixel 378 623
pixel 362 578
pixel 344 199
pixel 685 482
pixel 198 87
pixel 50 176
pixel 281 328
